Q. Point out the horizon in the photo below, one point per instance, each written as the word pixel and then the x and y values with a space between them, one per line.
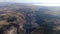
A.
pixel 36 2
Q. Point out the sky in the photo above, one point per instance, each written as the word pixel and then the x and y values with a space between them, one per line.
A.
pixel 23 1
pixel 37 2
pixel 41 1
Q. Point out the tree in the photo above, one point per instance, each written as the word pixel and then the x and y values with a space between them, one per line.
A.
pixel 48 28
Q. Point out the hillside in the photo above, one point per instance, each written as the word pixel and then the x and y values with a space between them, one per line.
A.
pixel 22 18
